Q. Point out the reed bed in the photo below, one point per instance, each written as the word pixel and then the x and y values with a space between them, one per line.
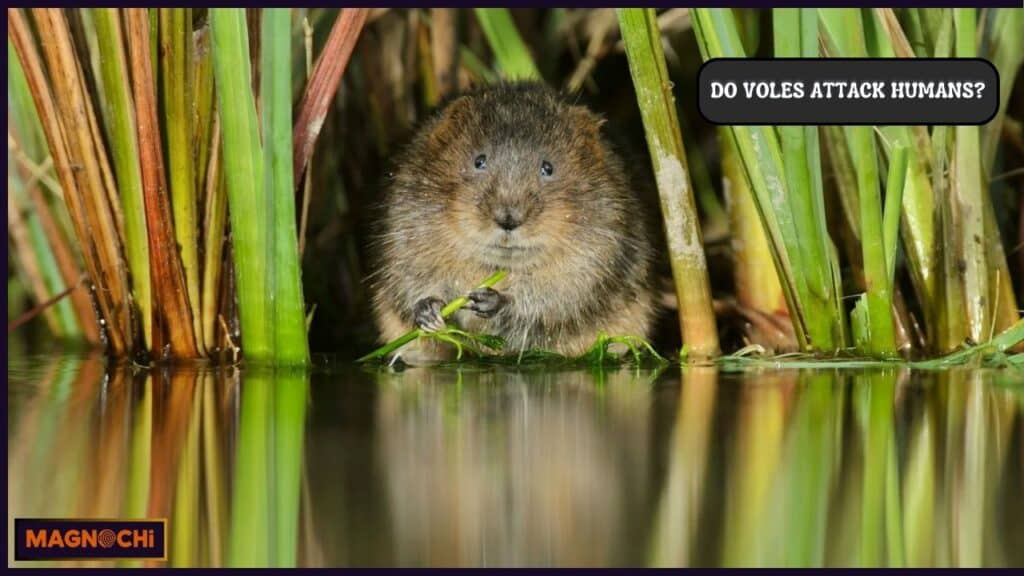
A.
pixel 167 157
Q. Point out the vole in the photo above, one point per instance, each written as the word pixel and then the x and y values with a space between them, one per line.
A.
pixel 512 176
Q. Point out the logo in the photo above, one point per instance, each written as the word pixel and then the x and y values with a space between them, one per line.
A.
pixel 65 539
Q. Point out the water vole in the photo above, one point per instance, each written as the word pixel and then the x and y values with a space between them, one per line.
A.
pixel 513 177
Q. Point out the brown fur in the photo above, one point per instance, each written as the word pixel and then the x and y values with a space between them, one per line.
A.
pixel 579 264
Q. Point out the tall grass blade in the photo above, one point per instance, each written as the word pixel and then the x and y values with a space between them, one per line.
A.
pixel 510 52
pixel 284 274
pixel 121 132
pixel 918 226
pixel 796 36
pixel 215 216
pixel 873 315
pixel 243 172
pixel 969 198
pixel 679 210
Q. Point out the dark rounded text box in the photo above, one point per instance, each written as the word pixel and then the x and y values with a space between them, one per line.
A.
pixel 866 91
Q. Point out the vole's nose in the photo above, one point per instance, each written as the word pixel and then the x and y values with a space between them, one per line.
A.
pixel 508 220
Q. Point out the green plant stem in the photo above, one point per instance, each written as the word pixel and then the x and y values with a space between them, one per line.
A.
pixel 446 312
pixel 121 131
pixel 284 274
pixel 668 157
pixel 796 35
pixel 243 171
pixel 845 28
pixel 969 198
pixel 176 84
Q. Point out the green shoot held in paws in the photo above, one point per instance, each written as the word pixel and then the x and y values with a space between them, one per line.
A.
pixel 490 346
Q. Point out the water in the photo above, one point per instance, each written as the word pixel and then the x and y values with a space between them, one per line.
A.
pixel 495 466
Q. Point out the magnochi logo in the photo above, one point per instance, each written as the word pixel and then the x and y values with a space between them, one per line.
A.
pixel 49 539
pixel 89 538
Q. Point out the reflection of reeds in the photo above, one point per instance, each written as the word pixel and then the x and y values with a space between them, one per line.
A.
pixel 677 520
pixel 113 444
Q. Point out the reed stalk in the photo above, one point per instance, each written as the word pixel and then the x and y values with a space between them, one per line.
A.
pixel 243 169
pixel 918 229
pixel 176 77
pixel 37 273
pixel 121 132
pixel 678 208
pixel 891 213
pixel 872 319
pixel 969 199
pixel 260 184
pixel 796 35
pixel 1004 44
pixel 444 49
pixel 172 324
pixel 285 274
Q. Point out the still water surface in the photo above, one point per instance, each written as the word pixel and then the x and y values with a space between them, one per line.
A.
pixel 498 466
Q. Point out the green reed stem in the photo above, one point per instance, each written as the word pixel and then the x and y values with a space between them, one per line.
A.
pixel 968 193
pixel 284 275
pixel 121 130
pixel 874 319
pixel 796 35
pixel 243 170
pixel 176 84
pixel 668 158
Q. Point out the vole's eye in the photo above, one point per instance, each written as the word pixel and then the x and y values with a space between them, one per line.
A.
pixel 480 162
pixel 546 169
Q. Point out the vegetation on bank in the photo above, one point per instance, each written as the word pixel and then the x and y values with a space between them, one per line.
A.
pixel 165 200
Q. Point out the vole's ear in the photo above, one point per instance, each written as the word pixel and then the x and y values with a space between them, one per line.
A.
pixel 449 121
pixel 455 109
pixel 586 120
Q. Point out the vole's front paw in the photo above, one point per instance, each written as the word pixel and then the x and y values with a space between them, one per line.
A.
pixel 427 314
pixel 486 302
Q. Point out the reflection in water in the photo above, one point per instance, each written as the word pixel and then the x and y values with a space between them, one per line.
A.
pixel 505 467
